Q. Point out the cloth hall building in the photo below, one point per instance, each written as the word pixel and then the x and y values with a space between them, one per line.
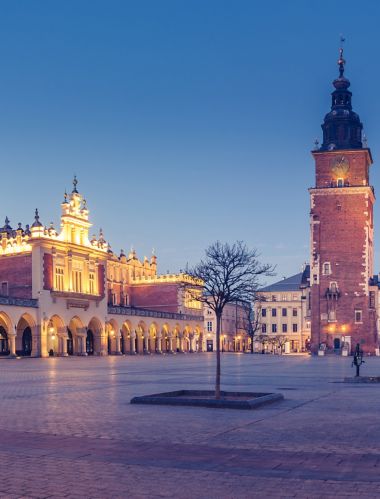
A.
pixel 62 293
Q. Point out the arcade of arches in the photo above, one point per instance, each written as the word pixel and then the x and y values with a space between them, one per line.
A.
pixel 54 337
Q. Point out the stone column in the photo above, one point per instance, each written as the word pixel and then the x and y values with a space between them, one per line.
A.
pixel 133 344
pixel 12 345
pixel 36 342
pixel 158 343
pixel 43 331
pixel 191 338
pixel 103 343
pixel 180 337
pixel 146 343
pixel 117 346
pixel 170 336
pixel 64 346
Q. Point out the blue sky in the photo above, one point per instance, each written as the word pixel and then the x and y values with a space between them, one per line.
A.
pixel 185 122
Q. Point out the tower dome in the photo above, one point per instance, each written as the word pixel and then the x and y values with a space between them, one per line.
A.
pixel 342 128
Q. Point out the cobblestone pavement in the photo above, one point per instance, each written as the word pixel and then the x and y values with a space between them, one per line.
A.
pixel 67 429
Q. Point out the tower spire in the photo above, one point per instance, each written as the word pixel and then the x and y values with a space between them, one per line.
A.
pixel 342 128
pixel 341 61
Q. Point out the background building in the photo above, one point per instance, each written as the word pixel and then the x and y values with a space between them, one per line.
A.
pixel 283 315
pixel 62 293
pixel 235 325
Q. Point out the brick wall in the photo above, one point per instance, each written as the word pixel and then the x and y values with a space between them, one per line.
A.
pixel 17 272
pixel 342 233
pixel 162 297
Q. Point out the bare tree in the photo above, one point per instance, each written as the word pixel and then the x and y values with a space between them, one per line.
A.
pixel 252 320
pixel 230 273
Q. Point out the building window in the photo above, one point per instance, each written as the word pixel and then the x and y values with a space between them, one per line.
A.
pixel 284 297
pixel 263 328
pixel 371 299
pixel 274 328
pixel 358 316
pixel 284 312
pixel 295 312
pixel 264 312
pixel 91 280
pixel 274 312
pixel 326 270
pixel 4 288
pixel 340 182
pixel 295 328
pixel 114 299
pixel 77 281
pixel 209 326
pixel 59 278
pixel 284 328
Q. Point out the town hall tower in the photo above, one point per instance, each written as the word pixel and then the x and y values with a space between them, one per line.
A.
pixel 341 224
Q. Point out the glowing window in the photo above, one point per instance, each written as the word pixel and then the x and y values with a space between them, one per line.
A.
pixel 59 278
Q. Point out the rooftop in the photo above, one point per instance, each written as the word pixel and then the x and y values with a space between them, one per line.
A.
pixel 292 283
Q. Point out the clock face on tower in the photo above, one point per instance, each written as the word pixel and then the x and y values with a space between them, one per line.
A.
pixel 340 166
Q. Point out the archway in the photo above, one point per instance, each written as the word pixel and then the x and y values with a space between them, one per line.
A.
pixel 76 337
pixel 95 326
pixel 27 342
pixel 70 342
pixel 125 341
pixel 90 342
pixel 141 332
pixel 56 336
pixel 165 341
pixel 153 347
pixel 24 336
pixel 4 347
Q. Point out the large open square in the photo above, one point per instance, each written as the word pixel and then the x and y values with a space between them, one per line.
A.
pixel 68 430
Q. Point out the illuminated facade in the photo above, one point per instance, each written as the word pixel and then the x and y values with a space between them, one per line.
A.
pixel 64 293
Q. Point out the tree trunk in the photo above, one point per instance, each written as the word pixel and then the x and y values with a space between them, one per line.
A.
pixel 217 378
pixel 252 344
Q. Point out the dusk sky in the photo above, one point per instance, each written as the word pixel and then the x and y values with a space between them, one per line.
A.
pixel 185 122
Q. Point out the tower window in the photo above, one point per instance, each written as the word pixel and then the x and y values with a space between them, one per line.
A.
pixel 327 268
pixel 209 326
pixel 358 317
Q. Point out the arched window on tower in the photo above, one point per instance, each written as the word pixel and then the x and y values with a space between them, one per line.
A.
pixel 326 268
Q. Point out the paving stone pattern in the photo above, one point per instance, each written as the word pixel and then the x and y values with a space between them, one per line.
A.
pixel 67 429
